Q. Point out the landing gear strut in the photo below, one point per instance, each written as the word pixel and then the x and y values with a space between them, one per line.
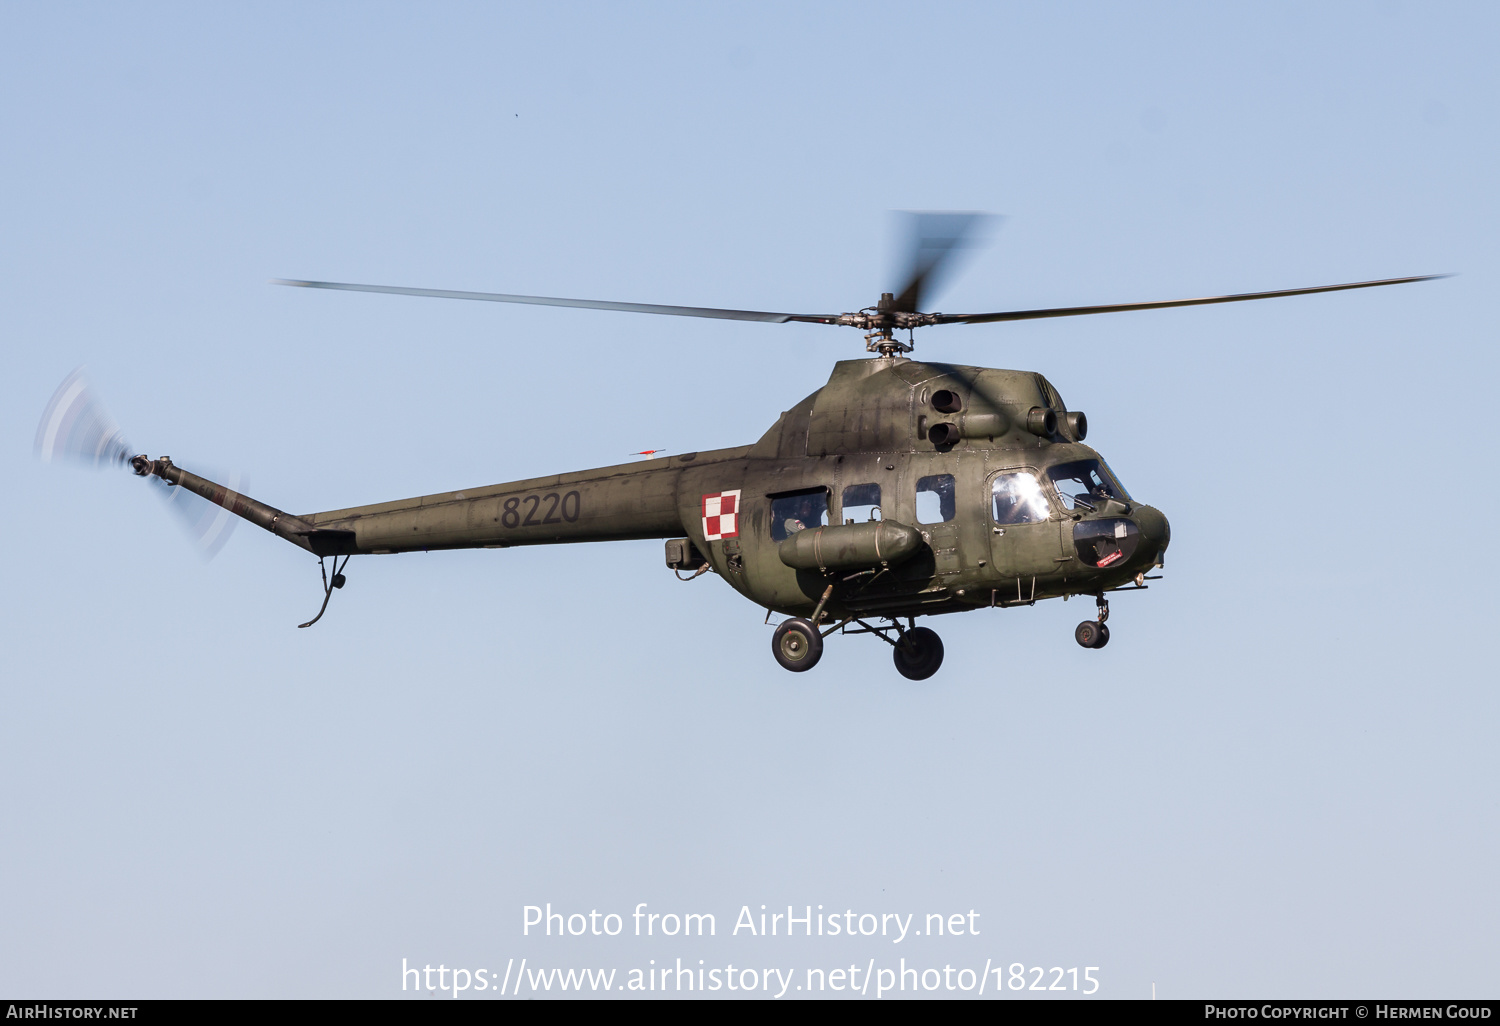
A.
pixel 1094 633
pixel 918 652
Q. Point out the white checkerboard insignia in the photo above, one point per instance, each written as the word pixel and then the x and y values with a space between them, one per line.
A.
pixel 721 515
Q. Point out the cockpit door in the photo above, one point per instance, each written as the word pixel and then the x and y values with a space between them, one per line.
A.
pixel 1026 528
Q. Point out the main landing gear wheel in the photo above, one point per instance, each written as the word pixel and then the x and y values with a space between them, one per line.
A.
pixel 919 653
pixel 797 645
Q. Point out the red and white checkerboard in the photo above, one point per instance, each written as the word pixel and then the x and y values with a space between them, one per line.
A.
pixel 721 515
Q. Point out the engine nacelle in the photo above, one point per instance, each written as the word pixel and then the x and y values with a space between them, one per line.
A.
pixel 1041 421
pixel 1077 426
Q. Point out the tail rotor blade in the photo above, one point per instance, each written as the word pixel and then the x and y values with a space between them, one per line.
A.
pixel 208 525
pixel 76 426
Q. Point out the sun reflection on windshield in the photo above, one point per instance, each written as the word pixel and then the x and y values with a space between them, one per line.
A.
pixel 1019 499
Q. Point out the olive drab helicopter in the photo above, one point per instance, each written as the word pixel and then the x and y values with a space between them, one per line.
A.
pixel 902 488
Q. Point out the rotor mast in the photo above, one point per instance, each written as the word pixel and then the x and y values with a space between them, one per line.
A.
pixel 881 321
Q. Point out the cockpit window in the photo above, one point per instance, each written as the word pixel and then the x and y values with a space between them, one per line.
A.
pixel 1019 499
pixel 935 501
pixel 1088 480
pixel 861 503
pixel 793 513
pixel 1110 475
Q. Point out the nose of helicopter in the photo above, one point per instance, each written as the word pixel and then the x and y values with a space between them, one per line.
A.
pixel 1155 531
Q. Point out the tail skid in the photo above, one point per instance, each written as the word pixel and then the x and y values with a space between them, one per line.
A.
pixel 328 585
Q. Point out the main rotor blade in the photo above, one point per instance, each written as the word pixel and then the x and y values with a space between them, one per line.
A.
pixel 586 304
pixel 933 239
pixel 1075 311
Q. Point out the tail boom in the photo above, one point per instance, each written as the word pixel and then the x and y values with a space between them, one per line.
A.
pixel 623 503
pixel 299 532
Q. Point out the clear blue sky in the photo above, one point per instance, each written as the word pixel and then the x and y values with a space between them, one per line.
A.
pixel 1279 779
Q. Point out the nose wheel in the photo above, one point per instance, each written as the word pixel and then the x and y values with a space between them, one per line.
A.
pixel 1094 633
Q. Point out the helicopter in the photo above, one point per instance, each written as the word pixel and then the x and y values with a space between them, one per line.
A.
pixel 902 488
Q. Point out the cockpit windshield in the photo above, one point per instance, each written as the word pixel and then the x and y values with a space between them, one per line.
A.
pixel 1086 480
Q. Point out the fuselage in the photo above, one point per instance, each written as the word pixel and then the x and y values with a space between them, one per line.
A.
pixel 989 494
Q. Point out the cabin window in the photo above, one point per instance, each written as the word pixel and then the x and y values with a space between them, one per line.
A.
pixel 862 503
pixel 1019 500
pixel 798 511
pixel 935 503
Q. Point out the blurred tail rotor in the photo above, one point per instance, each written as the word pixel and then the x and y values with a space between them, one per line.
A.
pixel 209 525
pixel 76 427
